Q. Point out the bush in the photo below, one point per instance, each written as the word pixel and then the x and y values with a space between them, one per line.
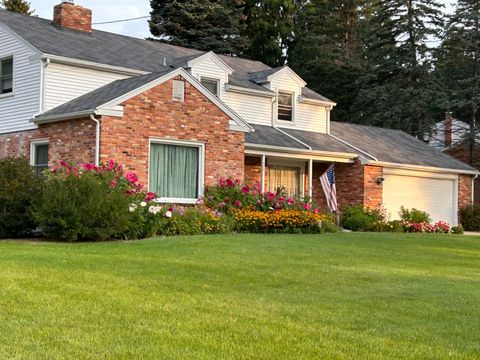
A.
pixel 20 191
pixel 440 227
pixel 360 218
pixel 414 216
pixel 458 230
pixel 470 217
pixel 88 204
pixel 381 226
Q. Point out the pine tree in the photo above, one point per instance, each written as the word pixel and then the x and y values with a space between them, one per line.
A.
pixel 18 6
pixel 269 29
pixel 397 90
pixel 458 65
pixel 201 24
pixel 327 51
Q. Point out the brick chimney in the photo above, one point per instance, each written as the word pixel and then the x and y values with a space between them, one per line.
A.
pixel 448 129
pixel 71 16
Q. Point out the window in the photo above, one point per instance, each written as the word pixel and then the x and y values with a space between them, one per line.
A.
pixel 211 85
pixel 286 177
pixel 178 90
pixel 39 156
pixel 6 76
pixel 176 171
pixel 285 106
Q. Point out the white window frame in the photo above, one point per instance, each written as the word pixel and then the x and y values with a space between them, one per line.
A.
pixel 292 93
pixel 217 81
pixel 12 93
pixel 178 82
pixel 290 163
pixel 201 170
pixel 33 149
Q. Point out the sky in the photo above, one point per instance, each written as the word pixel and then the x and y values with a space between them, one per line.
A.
pixel 109 10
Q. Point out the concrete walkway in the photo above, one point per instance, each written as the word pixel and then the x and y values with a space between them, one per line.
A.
pixel 471 233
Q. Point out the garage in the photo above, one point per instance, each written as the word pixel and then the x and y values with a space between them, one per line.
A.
pixel 435 193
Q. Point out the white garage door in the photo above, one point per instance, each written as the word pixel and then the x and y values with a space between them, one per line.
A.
pixel 433 193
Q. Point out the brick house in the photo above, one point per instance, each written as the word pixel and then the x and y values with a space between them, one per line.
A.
pixel 183 118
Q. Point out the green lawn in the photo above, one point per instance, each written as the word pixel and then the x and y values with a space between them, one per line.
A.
pixel 342 296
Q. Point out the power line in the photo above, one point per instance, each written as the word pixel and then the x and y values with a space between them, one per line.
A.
pixel 123 20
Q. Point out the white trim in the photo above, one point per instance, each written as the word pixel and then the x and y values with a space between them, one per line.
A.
pixel 293 138
pixel 292 94
pixel 304 100
pixel 310 178
pixel 215 58
pixel 94 65
pixel 422 168
pixel 201 166
pixel 292 74
pixel 53 118
pixel 178 83
pixel 248 91
pixel 299 154
pixel 212 80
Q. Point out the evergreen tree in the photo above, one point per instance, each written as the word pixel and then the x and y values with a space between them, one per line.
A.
pixel 18 6
pixel 327 51
pixel 201 24
pixel 458 65
pixel 397 90
pixel 269 29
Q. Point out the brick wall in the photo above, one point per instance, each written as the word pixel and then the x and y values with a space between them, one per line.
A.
pixel 464 190
pixel 462 153
pixel 72 140
pixel 153 114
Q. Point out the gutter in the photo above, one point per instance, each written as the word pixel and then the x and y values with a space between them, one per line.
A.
pixel 473 188
pixel 54 118
pixel 300 151
pixel 424 168
pixel 242 90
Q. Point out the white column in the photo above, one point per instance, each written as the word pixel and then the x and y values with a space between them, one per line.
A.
pixel 263 173
pixel 310 178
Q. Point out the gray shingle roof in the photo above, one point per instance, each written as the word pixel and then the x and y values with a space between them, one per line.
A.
pixel 119 50
pixel 395 146
pixel 105 94
pixel 320 142
pixel 267 135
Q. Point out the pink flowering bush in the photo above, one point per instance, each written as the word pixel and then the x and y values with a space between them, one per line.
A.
pixel 232 194
pixel 440 227
pixel 88 203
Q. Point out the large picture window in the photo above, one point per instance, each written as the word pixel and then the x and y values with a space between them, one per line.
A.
pixel 286 177
pixel 6 76
pixel 176 171
pixel 285 106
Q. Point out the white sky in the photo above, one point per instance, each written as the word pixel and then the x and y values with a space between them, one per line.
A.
pixel 108 10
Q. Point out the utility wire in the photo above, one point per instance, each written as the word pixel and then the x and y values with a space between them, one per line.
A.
pixel 123 20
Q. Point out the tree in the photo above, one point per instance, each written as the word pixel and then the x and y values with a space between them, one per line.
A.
pixel 269 27
pixel 18 6
pixel 458 65
pixel 397 89
pixel 201 24
pixel 327 50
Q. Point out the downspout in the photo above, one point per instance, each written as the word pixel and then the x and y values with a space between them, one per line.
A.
pixel 473 188
pixel 97 139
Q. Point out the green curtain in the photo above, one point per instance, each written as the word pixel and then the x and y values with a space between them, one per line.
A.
pixel 174 171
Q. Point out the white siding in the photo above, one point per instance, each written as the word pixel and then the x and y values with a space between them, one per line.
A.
pixel 254 109
pixel 209 69
pixel 66 82
pixel 284 82
pixel 16 111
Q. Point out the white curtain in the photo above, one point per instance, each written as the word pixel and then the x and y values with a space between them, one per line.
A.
pixel 287 177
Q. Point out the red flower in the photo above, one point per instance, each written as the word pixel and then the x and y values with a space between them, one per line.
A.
pixel 245 189
pixel 113 184
pixel 222 182
pixel 230 182
pixel 132 177
pixel 316 211
pixel 150 196
pixel 237 203
pixel 110 164
pixel 271 196
pixel 290 201
pixel 307 206
pixel 227 199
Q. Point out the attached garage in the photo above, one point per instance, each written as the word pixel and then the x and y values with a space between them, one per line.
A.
pixel 435 193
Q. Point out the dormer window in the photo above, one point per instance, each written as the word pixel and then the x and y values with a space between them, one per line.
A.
pixel 6 76
pixel 211 85
pixel 285 106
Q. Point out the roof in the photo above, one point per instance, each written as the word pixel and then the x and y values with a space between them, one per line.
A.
pixel 319 141
pixel 395 146
pixel 119 50
pixel 268 135
pixel 103 95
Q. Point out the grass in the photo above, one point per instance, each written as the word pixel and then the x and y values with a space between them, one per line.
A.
pixel 332 296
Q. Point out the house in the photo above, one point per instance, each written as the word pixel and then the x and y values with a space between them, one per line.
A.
pixel 451 136
pixel 183 118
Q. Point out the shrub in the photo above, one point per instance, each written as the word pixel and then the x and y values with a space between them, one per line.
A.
pixel 283 220
pixel 470 217
pixel 458 230
pixel 360 218
pixel 88 203
pixel 390 226
pixel 414 216
pixel 20 191
pixel 440 227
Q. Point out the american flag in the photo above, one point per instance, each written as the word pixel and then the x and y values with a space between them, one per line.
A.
pixel 328 185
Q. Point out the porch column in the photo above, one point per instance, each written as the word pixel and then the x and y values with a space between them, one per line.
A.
pixel 263 173
pixel 310 178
